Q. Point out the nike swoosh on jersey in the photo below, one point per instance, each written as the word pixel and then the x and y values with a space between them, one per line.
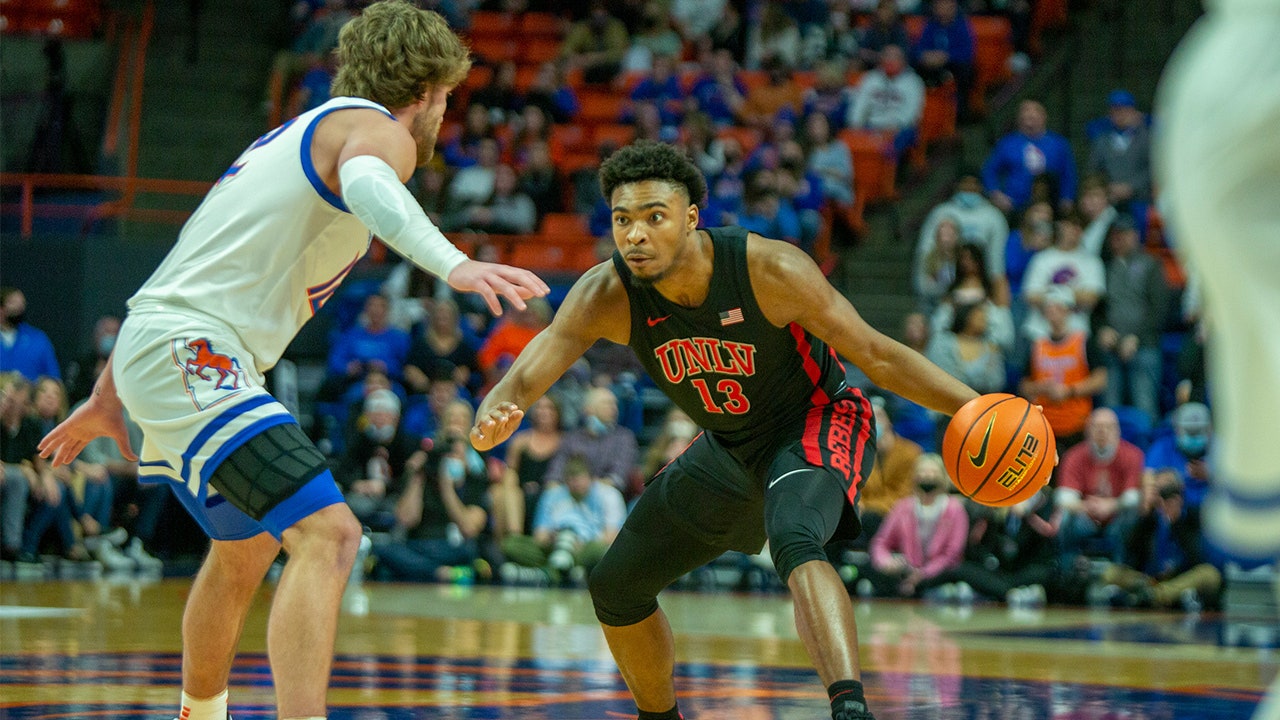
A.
pixel 981 458
pixel 655 321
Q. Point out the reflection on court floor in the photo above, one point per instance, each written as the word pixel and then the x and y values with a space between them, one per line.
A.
pixel 89 650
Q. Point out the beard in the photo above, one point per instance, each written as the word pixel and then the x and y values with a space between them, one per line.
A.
pixel 424 134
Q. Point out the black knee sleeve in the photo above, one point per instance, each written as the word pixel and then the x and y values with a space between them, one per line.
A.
pixel 618 599
pixel 268 469
pixel 801 515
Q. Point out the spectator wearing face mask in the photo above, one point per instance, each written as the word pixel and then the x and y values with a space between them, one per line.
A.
pixel 976 219
pixel 1166 566
pixel 609 449
pixel 83 373
pixel 23 347
pixel 923 536
pixel 374 460
pixel 1184 452
pixel 1099 487
pixel 890 98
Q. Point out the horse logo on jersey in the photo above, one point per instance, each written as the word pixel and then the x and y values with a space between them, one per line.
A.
pixel 210 376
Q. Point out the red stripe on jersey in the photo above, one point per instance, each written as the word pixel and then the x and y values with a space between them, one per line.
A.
pixel 860 445
pixel 813 419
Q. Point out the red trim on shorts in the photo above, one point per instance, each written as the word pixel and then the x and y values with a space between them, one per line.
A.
pixel 864 434
pixel 813 418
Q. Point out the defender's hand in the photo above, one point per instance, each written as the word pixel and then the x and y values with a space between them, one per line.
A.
pixel 91 420
pixel 495 427
pixel 491 280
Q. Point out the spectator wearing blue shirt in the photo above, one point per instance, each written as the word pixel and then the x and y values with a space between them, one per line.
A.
pixel 371 344
pixel 23 348
pixel 945 49
pixel 662 88
pixel 1025 155
pixel 1184 452
pixel 766 213
pixel 719 92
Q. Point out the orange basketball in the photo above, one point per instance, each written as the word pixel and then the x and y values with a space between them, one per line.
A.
pixel 999 449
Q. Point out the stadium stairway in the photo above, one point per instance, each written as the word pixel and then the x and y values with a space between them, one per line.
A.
pixel 1109 44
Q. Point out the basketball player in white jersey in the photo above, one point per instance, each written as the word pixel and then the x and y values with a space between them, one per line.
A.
pixel 1218 159
pixel 267 247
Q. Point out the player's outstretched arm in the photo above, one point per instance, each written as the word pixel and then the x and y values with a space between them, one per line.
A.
pixel 778 269
pixel 102 414
pixel 377 154
pixel 595 308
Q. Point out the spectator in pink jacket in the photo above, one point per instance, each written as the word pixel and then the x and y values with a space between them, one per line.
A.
pixel 923 535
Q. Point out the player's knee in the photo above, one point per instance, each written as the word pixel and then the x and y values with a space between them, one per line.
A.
pixel 794 546
pixel 617 600
pixel 331 533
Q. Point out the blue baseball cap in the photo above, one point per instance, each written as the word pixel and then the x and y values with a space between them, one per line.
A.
pixel 1121 98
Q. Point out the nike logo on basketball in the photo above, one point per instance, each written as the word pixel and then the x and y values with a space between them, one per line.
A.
pixel 655 321
pixel 981 458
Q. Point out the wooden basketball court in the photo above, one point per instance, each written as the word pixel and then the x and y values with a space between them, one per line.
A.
pixel 110 649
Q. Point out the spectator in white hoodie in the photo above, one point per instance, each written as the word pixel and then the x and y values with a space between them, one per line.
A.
pixel 890 98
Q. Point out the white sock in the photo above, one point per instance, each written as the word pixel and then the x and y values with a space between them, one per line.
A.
pixel 214 708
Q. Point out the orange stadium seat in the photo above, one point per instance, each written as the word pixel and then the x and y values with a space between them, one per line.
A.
pixel 495 49
pixel 937 121
pixel 992 47
pixel 747 137
pixel 753 78
pixel 537 50
pixel 874 166
pixel 567 140
pixel 532 253
pixel 565 227
pixel 600 107
pixel 615 133
pixel 479 76
pixel 525 75
pixel 492 24
pixel 915 26
pixel 539 24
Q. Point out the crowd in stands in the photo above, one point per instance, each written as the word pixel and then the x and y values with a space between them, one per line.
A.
pixel 743 85
pixel 1028 279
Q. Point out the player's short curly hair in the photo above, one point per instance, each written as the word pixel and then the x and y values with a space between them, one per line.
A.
pixel 393 52
pixel 647 160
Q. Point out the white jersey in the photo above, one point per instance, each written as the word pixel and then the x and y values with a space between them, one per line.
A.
pixel 267 247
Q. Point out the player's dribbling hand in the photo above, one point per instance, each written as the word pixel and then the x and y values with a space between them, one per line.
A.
pixel 496 426
pixel 91 420
pixel 491 280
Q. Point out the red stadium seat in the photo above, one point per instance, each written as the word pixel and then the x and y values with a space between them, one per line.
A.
pixel 538 24
pixel 495 49
pixel 565 228
pixel 614 133
pixel 747 137
pixel 600 107
pixel 567 140
pixel 537 50
pixel 874 165
pixel 492 24
pixel 992 47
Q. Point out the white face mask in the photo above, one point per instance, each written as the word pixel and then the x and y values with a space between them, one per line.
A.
pixel 380 433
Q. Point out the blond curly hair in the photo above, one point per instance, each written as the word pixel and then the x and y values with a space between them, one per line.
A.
pixel 393 52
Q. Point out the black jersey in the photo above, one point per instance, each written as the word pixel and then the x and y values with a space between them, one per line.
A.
pixel 736 374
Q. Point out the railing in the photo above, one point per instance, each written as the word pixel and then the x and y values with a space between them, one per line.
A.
pixel 91 213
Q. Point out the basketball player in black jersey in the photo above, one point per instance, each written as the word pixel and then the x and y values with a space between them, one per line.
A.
pixel 742 333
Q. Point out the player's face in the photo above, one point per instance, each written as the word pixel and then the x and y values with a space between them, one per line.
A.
pixel 653 223
pixel 426 125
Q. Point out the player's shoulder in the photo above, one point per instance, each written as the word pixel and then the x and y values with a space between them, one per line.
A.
pixel 775 260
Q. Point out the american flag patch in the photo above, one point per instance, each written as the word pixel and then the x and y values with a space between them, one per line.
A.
pixel 729 317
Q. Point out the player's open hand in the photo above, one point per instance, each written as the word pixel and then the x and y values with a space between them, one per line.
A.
pixel 91 420
pixel 496 426
pixel 492 281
